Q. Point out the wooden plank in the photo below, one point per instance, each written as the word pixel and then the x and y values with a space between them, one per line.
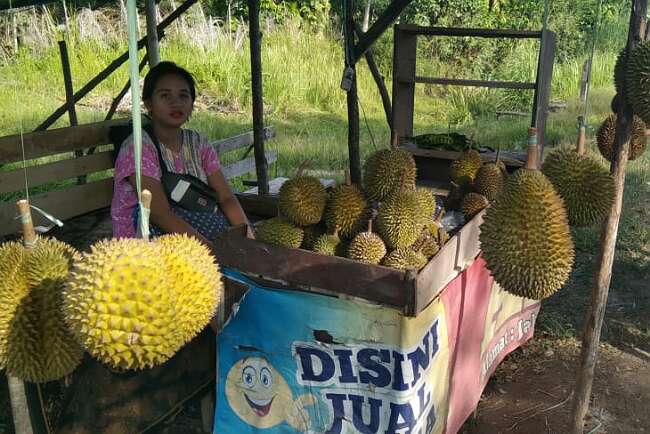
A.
pixel 457 31
pixel 404 58
pixel 312 272
pixel 476 83
pixel 256 205
pixel 239 141
pixel 246 166
pixel 14 180
pixel 543 88
pixel 63 204
pixel 515 159
pixel 57 141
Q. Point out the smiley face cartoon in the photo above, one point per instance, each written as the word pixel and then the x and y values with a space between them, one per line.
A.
pixel 261 397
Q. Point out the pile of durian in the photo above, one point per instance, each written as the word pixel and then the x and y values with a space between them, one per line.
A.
pixel 474 184
pixel 388 222
pixel 130 303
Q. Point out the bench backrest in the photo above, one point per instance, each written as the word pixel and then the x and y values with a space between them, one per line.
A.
pixel 55 162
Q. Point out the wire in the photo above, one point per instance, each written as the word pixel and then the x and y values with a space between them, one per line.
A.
pixel 365 119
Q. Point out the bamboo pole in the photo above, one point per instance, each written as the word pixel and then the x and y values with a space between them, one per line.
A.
pixel 153 50
pixel 600 289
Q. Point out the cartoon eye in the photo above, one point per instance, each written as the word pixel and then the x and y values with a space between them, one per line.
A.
pixel 249 376
pixel 266 378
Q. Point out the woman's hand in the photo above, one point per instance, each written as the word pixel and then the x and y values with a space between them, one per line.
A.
pixel 228 203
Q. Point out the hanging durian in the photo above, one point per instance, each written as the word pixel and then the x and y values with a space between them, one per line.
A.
pixel 35 344
pixel 525 234
pixel 473 203
pixel 405 259
pixel 196 279
pixel 346 209
pixel 637 87
pixel 465 167
pixel 302 200
pixel 584 184
pixel 279 231
pixel 367 247
pixel 386 171
pixel 121 304
pixel 607 134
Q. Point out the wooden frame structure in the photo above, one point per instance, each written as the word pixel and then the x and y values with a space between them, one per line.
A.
pixel 405 77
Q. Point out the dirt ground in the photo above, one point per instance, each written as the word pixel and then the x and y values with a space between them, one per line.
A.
pixel 531 392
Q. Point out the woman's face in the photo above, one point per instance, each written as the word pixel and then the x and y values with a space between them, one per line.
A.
pixel 171 103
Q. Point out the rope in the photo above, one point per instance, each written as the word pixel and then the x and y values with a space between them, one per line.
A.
pixel 134 73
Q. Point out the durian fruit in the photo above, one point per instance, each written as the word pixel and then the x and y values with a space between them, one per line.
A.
pixel 465 167
pixel 427 203
pixel 525 234
pixel 400 220
pixel 473 203
pixel 197 281
pixel 346 210
pixel 584 184
pixel 328 244
pixel 427 243
pixel 637 89
pixel 36 345
pixel 280 231
pixel 121 304
pixel 311 234
pixel 489 179
pixel 607 133
pixel 405 259
pixel 387 171
pixel 455 196
pixel 302 200
pixel 367 247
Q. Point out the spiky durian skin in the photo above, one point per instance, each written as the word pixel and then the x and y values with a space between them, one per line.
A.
pixel 399 220
pixel 427 203
pixel 525 237
pixel 302 200
pixel 346 210
pixel 39 346
pixel 489 180
pixel 327 244
pixel 584 184
pixel 405 259
pixel 427 243
pixel 465 167
pixel 281 232
pixel 367 247
pixel 473 203
pixel 197 281
pixel 13 287
pixel 387 171
pixel 120 304
pixel 607 133
pixel 637 80
pixel 311 234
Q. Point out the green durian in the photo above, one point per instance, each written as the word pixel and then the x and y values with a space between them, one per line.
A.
pixel 328 244
pixel 280 231
pixel 399 220
pixel 584 184
pixel 473 203
pixel 302 200
pixel 463 170
pixel 388 171
pixel 346 210
pixel 637 85
pixel 405 259
pixel 607 134
pixel 35 344
pixel 525 237
pixel 489 180
pixel 427 203
pixel 367 247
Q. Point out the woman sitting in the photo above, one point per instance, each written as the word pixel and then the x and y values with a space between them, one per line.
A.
pixel 169 95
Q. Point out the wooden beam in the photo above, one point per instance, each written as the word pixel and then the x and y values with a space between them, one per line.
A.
pixel 153 51
pixel 600 289
pixel 116 101
pixel 239 141
pixel 387 18
pixel 543 88
pixel 261 165
pixel 113 66
pixel 457 31
pixel 246 165
pixel 476 83
pixel 404 58
pixel 352 98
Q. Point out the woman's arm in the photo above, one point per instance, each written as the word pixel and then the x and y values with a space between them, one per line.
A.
pixel 228 203
pixel 161 212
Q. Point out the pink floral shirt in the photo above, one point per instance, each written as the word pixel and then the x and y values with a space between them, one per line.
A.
pixel 124 196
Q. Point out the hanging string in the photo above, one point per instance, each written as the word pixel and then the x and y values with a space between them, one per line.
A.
pixel 134 72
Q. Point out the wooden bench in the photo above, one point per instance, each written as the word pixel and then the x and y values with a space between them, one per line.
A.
pixel 53 168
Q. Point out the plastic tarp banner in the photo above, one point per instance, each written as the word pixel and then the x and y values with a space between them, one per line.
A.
pixel 298 362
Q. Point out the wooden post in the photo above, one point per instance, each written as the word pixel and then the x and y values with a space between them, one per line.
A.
pixel 379 81
pixel 584 81
pixel 354 154
pixel 543 86
pixel 153 51
pixel 261 165
pixel 600 289
pixel 580 144
pixel 404 58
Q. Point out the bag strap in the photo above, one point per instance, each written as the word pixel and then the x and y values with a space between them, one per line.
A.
pixel 154 139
